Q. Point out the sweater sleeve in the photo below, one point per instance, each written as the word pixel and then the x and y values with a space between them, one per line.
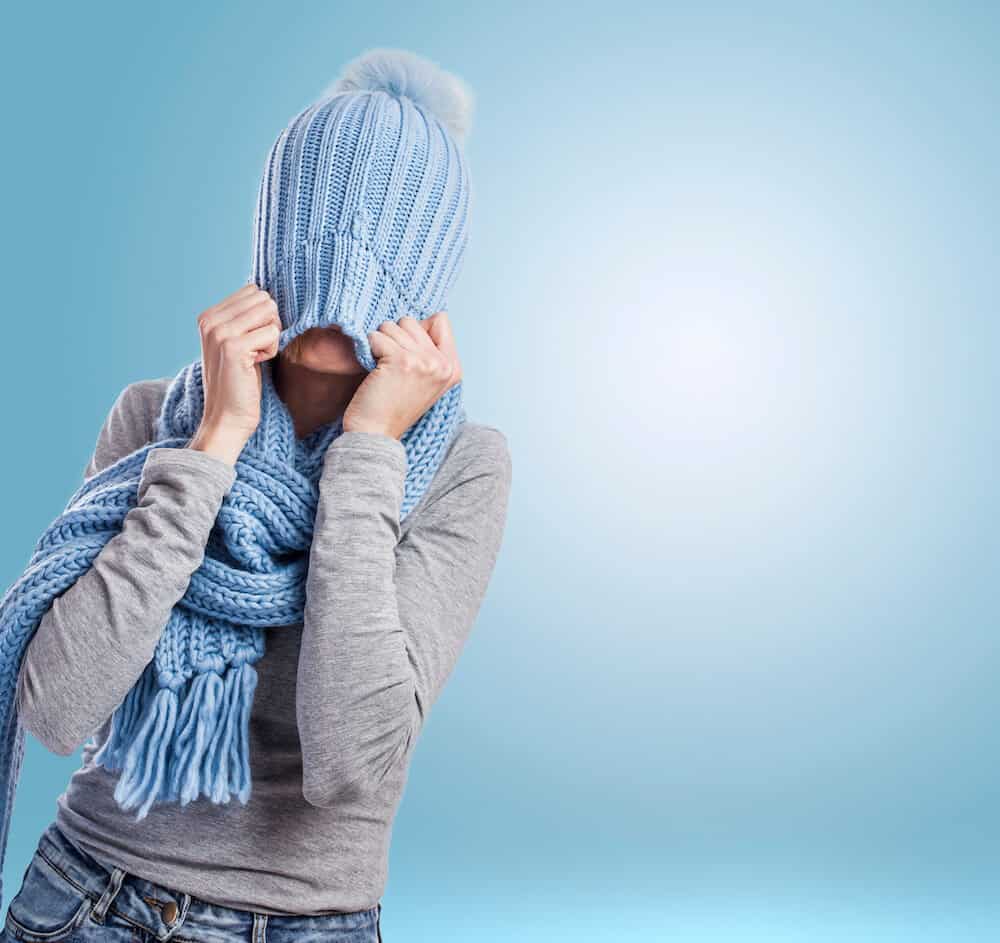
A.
pixel 95 639
pixel 386 618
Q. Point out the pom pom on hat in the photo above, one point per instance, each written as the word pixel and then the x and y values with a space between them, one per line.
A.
pixel 403 73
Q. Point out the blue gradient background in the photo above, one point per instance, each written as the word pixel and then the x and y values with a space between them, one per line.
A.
pixel 732 295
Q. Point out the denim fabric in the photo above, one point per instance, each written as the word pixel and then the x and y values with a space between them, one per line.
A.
pixel 66 895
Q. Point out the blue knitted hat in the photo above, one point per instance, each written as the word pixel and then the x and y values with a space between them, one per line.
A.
pixel 364 202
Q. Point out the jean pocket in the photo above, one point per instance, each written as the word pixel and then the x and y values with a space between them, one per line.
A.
pixel 48 907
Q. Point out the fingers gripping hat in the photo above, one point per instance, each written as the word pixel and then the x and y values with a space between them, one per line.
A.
pixel 363 205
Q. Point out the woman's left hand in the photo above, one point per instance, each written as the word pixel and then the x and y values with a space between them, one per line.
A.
pixel 416 362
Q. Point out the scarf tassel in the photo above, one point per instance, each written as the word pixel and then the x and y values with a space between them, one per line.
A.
pixel 177 745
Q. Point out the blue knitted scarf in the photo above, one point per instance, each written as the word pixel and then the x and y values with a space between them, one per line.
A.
pixel 182 730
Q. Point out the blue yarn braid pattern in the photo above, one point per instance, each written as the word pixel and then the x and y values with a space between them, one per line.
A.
pixel 361 217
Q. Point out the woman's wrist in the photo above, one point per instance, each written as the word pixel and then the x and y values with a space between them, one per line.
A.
pixel 221 443
pixel 373 428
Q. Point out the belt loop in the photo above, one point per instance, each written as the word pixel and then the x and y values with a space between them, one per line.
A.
pixel 378 922
pixel 110 892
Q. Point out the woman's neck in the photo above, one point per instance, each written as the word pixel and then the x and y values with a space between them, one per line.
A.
pixel 313 398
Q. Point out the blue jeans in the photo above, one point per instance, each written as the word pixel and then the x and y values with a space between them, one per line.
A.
pixel 67 895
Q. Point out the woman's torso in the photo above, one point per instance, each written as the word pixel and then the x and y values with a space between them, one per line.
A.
pixel 278 853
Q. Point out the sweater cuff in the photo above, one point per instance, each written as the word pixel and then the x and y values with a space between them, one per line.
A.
pixel 192 461
pixel 375 445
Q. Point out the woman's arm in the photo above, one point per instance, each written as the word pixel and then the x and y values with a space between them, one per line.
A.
pixel 386 619
pixel 94 641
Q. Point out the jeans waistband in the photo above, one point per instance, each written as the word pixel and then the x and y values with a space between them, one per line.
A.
pixel 167 914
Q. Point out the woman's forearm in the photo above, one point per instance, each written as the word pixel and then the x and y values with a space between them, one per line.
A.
pixel 94 641
pixel 354 700
pixel 385 618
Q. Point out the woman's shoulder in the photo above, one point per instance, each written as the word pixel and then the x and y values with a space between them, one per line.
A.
pixel 477 459
pixel 152 389
pixel 479 443
pixel 477 449
pixel 129 422
pixel 139 404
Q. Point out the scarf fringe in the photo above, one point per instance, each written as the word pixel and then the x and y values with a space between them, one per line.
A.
pixel 178 744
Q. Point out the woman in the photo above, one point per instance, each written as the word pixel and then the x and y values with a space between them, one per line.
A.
pixel 410 508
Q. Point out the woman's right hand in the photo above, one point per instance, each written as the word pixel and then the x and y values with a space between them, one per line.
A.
pixel 236 335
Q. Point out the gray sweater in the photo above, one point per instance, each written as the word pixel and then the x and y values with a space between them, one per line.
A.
pixel 340 699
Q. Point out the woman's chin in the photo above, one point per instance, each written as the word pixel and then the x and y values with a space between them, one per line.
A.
pixel 326 350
